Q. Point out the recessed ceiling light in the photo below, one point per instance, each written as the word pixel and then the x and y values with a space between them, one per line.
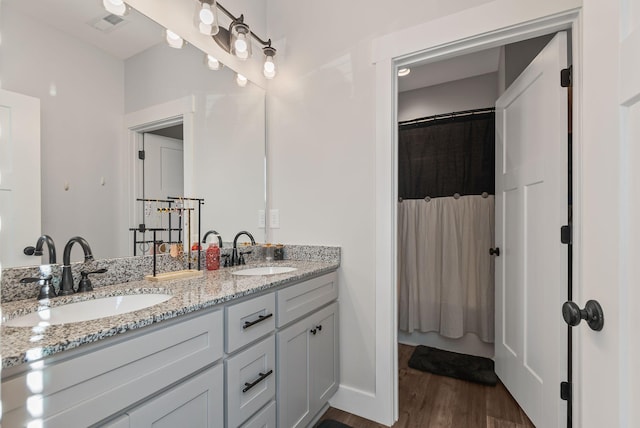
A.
pixel 403 72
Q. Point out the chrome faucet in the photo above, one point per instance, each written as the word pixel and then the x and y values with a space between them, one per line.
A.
pixel 37 250
pixel 212 232
pixel 234 253
pixel 66 286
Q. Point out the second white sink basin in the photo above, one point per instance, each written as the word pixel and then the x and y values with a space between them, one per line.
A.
pixel 265 270
pixel 88 310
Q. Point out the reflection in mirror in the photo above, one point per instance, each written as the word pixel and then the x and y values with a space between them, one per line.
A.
pixel 106 87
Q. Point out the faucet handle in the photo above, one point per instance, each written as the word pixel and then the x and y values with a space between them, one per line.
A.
pixel 47 290
pixel 31 251
pixel 85 283
pixel 85 273
pixel 226 260
pixel 241 258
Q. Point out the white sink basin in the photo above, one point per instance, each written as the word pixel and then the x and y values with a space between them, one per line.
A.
pixel 88 310
pixel 266 270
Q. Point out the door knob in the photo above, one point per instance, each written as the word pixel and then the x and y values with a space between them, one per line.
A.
pixel 592 313
pixel 494 251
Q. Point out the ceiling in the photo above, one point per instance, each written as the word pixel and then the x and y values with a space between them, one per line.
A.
pixel 457 68
pixel 76 17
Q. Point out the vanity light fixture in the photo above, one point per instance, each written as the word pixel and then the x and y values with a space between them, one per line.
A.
pixel 237 39
pixel 173 40
pixel 206 17
pixel 403 72
pixel 117 7
pixel 241 80
pixel 212 62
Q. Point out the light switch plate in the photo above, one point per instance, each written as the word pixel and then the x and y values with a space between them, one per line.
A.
pixel 261 218
pixel 274 219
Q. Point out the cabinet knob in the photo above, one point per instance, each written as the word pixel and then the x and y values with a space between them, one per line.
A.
pixel 319 327
pixel 313 331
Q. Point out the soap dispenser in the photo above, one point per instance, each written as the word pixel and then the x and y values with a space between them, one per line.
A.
pixel 213 257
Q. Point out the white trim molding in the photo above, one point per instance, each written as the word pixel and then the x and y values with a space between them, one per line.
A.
pixel 490 25
pixel 149 119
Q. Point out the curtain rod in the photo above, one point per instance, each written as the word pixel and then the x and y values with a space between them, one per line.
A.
pixel 448 115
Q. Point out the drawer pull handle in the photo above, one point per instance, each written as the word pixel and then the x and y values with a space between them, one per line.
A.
pixel 263 376
pixel 261 318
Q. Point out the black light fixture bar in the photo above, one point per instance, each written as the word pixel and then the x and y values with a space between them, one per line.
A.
pixel 241 19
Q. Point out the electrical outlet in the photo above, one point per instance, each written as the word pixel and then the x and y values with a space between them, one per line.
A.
pixel 274 219
pixel 261 218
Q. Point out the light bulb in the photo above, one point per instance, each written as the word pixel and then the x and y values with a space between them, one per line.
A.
pixel 206 17
pixel 213 63
pixel 241 44
pixel 206 14
pixel 269 69
pixel 269 66
pixel 117 7
pixel 241 80
pixel 174 40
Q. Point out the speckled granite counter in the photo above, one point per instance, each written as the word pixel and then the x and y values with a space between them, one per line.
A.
pixel 24 344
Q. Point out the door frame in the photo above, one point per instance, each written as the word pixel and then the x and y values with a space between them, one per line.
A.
pixel 423 44
pixel 150 119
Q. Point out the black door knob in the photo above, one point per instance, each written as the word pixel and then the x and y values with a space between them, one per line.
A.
pixel 592 313
pixel 494 251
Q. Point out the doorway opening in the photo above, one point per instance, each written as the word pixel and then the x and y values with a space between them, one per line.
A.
pixel 161 160
pixel 460 84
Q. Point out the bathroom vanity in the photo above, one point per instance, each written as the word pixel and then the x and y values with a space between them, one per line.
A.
pixel 225 351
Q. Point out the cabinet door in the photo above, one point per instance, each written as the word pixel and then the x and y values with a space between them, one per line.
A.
pixel 195 403
pixel 294 387
pixel 324 359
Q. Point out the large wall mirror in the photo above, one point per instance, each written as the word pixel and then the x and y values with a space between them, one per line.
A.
pixel 109 89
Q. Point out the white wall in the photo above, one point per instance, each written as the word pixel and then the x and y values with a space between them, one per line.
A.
pixel 229 132
pixel 322 150
pixel 465 94
pixel 322 137
pixel 80 89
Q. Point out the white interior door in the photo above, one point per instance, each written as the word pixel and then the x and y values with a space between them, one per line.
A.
pixel 19 177
pixel 163 167
pixel 163 177
pixel 531 207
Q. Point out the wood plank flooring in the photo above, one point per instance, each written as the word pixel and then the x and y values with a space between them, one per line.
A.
pixel 433 401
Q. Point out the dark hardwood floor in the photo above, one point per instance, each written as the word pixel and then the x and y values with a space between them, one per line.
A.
pixel 433 401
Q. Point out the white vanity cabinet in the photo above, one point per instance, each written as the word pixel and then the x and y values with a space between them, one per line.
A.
pixel 308 360
pixel 90 384
pixel 263 361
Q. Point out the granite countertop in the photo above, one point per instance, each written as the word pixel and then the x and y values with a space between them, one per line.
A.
pixel 24 344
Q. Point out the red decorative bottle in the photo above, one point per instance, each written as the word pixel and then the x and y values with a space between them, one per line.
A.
pixel 213 257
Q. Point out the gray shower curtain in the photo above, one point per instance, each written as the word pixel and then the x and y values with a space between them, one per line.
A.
pixel 446 275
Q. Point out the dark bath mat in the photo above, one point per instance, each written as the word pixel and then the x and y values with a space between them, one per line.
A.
pixel 330 423
pixel 452 364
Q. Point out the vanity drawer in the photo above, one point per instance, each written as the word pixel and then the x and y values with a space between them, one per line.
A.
pixel 301 299
pixel 249 320
pixel 250 381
